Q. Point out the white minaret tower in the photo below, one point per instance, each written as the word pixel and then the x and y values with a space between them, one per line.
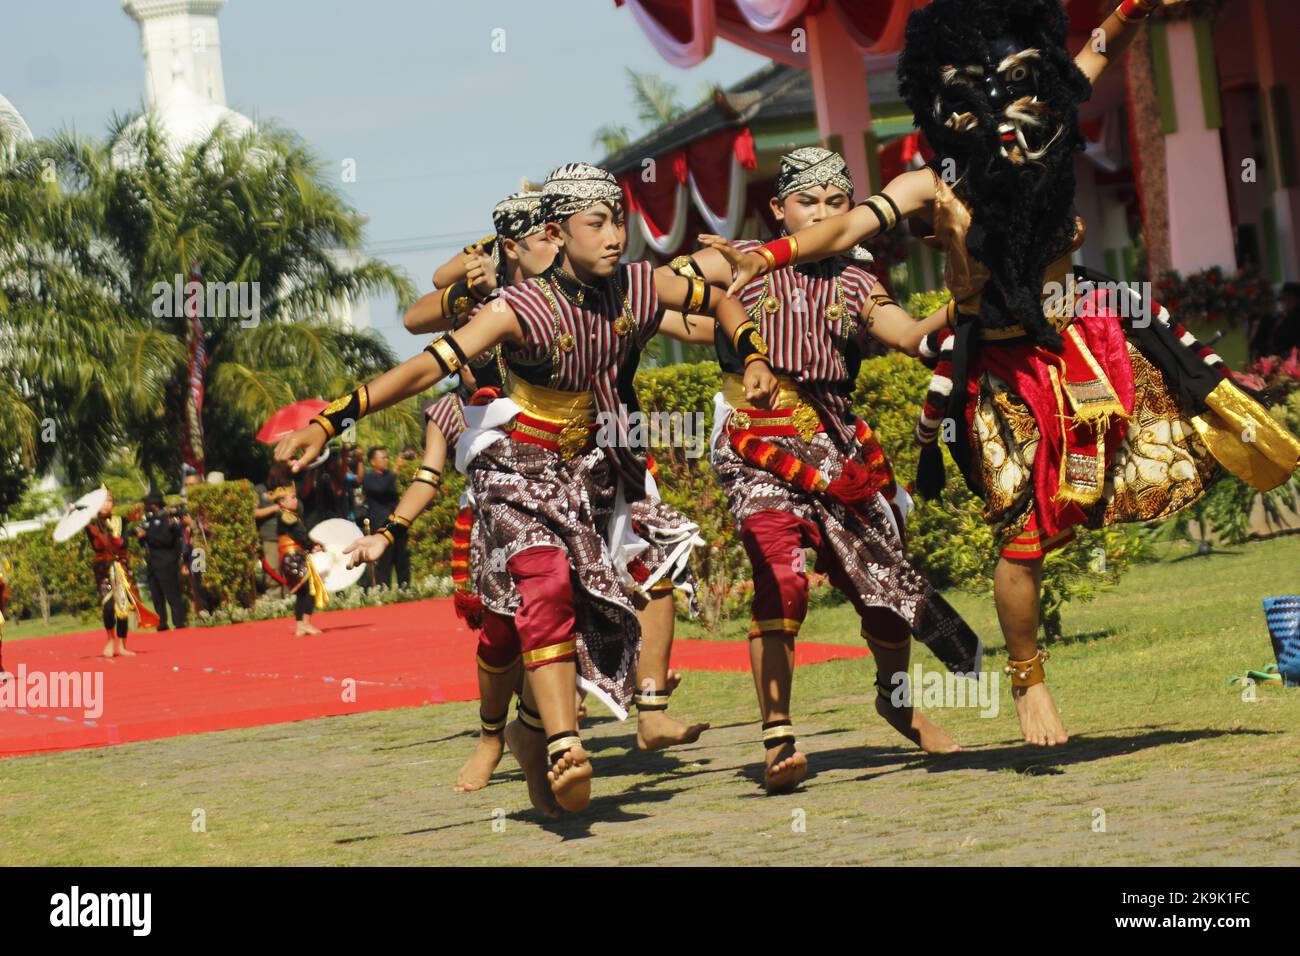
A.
pixel 182 47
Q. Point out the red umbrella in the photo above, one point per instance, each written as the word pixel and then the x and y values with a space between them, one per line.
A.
pixel 289 419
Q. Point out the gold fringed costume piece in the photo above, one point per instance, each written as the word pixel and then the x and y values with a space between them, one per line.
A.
pixel 1245 439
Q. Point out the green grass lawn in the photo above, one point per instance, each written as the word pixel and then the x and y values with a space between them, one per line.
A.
pixel 57 624
pixel 1167 764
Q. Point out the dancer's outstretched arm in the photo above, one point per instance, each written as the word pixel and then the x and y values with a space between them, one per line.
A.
pixel 418 496
pixel 1109 41
pixel 910 193
pixel 890 323
pixel 492 325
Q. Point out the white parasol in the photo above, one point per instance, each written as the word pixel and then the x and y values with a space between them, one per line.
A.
pixel 80 513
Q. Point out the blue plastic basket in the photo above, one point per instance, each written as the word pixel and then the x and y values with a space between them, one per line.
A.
pixel 1283 616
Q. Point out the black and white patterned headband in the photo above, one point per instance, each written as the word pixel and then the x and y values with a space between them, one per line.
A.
pixel 518 215
pixel 573 187
pixel 811 166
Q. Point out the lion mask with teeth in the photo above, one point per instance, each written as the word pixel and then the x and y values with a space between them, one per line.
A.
pixel 997 94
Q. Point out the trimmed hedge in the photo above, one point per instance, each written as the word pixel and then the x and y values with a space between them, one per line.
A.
pixel 230 560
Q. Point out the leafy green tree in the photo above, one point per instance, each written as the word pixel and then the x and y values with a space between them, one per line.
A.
pixel 98 233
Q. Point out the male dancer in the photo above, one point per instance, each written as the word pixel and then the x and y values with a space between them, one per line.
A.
pixel 545 486
pixel 1054 400
pixel 113 580
pixel 809 473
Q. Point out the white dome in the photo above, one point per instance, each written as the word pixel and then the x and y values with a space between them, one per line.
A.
pixel 184 118
pixel 13 122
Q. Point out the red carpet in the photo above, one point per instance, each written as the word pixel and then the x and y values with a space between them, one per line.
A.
pixel 247 675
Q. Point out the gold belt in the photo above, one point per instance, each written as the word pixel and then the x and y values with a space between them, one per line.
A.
pixel 567 417
pixel 802 417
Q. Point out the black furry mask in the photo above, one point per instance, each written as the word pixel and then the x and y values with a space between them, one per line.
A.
pixel 997 94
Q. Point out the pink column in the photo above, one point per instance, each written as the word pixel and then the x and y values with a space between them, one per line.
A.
pixel 1200 226
pixel 839 80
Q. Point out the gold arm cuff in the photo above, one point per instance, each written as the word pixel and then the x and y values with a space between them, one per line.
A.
pixel 766 253
pixel 682 266
pixel 743 328
pixel 886 211
pixel 404 522
pixel 794 249
pixel 697 294
pixel 428 475
pixel 448 355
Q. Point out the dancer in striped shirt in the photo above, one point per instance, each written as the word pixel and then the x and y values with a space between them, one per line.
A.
pixel 808 473
pixel 552 461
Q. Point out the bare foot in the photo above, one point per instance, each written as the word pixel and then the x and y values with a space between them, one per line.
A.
pixel 478 768
pixel 917 727
pixel 108 648
pixel 570 778
pixel 786 767
pixel 655 730
pixel 123 650
pixel 529 748
pixel 1039 721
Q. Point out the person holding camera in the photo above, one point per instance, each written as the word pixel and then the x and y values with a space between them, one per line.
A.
pixel 164 537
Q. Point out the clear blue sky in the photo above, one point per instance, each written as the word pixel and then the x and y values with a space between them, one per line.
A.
pixel 439 125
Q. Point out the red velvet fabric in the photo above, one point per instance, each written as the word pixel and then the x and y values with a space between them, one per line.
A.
pixel 545 616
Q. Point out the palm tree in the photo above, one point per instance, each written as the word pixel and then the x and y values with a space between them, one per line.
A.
pixel 655 100
pixel 111 224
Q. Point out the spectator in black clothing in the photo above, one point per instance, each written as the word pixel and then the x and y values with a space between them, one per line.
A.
pixel 1279 333
pixel 380 487
pixel 164 538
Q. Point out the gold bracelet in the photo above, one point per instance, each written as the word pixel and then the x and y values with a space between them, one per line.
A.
pixel 324 423
pixel 755 357
pixel 697 294
pixel 766 253
pixel 442 348
pixel 744 327
pixel 794 249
